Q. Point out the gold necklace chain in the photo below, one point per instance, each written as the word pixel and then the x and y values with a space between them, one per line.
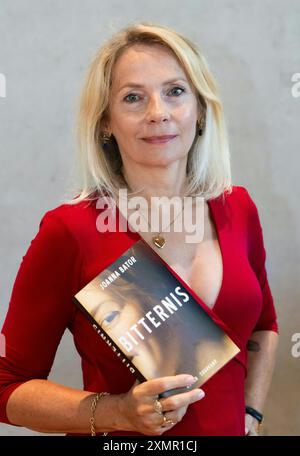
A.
pixel 158 240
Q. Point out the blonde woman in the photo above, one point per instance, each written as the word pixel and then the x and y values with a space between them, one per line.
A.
pixel 150 122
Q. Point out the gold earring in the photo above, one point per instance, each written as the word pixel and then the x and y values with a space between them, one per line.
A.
pixel 105 139
pixel 201 125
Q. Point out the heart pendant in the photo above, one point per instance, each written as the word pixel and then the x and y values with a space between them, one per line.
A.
pixel 159 241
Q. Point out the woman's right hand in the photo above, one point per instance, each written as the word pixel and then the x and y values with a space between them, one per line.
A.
pixel 137 405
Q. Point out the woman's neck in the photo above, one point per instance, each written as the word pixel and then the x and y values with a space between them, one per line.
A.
pixel 156 181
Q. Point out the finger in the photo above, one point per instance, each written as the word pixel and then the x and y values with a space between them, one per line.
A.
pixel 157 386
pixel 169 422
pixel 182 400
pixel 177 403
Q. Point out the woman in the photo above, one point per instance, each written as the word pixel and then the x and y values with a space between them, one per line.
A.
pixel 150 121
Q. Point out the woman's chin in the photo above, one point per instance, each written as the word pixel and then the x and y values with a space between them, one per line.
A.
pixel 161 162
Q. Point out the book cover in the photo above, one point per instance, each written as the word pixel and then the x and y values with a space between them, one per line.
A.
pixel 152 322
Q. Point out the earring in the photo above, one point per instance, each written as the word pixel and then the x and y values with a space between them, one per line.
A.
pixel 201 125
pixel 105 138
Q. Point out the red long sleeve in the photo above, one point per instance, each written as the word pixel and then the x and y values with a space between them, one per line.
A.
pixel 40 307
pixel 257 258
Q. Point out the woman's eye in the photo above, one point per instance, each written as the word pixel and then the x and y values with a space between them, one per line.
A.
pixel 110 318
pixel 178 88
pixel 130 100
pixel 131 97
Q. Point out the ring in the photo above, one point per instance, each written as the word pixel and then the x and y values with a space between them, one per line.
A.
pixel 158 407
pixel 166 421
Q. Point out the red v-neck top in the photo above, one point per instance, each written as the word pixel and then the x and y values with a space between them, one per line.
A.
pixel 68 251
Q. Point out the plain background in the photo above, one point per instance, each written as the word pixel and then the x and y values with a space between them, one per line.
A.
pixel 253 50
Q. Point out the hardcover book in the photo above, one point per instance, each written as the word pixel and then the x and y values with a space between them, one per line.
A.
pixel 151 320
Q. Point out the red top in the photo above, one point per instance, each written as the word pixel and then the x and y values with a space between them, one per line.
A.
pixel 68 251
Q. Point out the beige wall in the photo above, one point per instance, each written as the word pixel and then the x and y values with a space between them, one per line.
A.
pixel 253 49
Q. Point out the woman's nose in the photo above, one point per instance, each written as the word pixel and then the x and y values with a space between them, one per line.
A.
pixel 157 110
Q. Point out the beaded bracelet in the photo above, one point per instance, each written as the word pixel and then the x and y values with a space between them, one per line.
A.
pixel 93 408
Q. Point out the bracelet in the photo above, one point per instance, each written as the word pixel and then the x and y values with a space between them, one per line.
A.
pixel 93 408
pixel 257 415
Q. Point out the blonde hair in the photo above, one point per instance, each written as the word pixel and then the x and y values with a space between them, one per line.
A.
pixel 208 165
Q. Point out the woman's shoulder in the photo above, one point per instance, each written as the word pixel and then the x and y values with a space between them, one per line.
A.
pixel 70 220
pixel 244 197
pixel 236 204
pixel 66 212
pixel 238 193
pixel 237 197
pixel 241 204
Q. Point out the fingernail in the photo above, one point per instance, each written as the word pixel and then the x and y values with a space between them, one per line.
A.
pixel 201 394
pixel 191 381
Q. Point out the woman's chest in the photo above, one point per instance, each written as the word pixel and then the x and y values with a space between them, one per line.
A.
pixel 202 270
pixel 199 264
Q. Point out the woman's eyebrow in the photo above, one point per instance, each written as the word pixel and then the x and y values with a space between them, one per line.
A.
pixel 136 85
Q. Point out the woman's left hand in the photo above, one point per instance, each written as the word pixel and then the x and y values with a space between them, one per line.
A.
pixel 251 425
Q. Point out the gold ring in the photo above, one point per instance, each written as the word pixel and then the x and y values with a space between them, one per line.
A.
pixel 166 421
pixel 158 407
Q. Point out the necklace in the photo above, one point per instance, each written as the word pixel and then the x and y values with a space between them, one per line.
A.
pixel 159 240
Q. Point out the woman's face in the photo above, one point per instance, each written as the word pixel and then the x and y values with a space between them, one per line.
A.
pixel 145 103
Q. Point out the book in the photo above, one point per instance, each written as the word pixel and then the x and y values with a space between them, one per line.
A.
pixel 151 320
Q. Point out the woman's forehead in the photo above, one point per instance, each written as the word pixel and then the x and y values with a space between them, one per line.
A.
pixel 145 60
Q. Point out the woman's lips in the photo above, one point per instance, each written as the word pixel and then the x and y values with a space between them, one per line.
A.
pixel 159 139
